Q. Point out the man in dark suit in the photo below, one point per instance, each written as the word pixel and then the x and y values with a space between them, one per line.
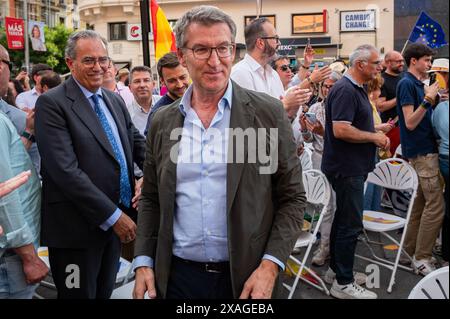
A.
pixel 214 220
pixel 88 145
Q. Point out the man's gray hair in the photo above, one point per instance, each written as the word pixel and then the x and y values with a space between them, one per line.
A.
pixel 71 46
pixel 362 53
pixel 204 15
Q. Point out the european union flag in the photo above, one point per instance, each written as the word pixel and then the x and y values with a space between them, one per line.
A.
pixel 428 32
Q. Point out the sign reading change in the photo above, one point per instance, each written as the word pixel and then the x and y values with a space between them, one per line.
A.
pixel 352 21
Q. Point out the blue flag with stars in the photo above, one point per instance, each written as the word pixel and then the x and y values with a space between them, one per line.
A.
pixel 428 32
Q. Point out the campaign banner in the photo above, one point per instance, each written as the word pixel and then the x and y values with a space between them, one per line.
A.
pixel 36 32
pixel 357 21
pixel 15 33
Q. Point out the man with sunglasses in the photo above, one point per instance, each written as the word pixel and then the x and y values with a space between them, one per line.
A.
pixel 282 65
pixel 88 145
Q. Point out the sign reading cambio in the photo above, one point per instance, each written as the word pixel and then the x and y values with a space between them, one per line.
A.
pixel 134 32
pixel 15 33
pixel 353 21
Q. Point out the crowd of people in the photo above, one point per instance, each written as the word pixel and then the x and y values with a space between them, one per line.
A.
pixel 94 167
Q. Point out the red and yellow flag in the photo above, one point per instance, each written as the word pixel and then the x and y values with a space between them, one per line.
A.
pixel 163 36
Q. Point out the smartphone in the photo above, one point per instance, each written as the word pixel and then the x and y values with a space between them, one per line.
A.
pixel 432 78
pixel 308 43
pixel 311 117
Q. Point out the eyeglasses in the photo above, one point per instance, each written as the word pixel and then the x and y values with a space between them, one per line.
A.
pixel 284 67
pixel 103 61
pixel 204 53
pixel 9 63
pixel 275 37
pixel 397 61
pixel 373 62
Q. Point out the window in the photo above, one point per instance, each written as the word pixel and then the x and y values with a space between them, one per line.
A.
pixel 117 31
pixel 309 23
pixel 271 18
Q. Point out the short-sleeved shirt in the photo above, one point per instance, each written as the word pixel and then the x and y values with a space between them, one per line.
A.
pixel 348 102
pixel 389 91
pixel 421 140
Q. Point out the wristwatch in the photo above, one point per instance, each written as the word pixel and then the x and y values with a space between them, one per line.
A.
pixel 28 136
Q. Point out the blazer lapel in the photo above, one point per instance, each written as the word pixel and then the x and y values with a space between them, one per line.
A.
pixel 242 116
pixel 83 109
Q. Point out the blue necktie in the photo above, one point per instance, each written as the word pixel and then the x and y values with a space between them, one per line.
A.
pixel 125 188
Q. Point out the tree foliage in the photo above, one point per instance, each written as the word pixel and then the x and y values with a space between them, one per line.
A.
pixel 55 41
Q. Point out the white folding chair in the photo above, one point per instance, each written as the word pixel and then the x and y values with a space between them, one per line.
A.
pixel 398 151
pixel 432 286
pixel 306 159
pixel 395 174
pixel 317 191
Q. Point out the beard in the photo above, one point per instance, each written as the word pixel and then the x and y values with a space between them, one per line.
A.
pixel 270 52
pixel 397 70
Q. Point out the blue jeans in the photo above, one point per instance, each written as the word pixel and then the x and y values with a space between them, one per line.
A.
pixel 347 224
pixel 372 197
pixel 443 165
pixel 12 279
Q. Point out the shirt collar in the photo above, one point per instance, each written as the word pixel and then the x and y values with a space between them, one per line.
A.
pixel 413 77
pixel 86 92
pixel 136 105
pixel 34 91
pixel 185 104
pixel 348 76
pixel 254 65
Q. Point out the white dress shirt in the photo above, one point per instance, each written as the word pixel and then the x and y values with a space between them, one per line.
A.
pixel 138 115
pixel 27 99
pixel 249 74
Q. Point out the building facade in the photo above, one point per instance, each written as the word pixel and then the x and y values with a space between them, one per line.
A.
pixel 334 27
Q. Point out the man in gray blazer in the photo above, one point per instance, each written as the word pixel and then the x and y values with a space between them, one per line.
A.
pixel 88 145
pixel 217 218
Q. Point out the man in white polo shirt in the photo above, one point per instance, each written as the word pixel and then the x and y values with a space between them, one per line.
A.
pixel 28 99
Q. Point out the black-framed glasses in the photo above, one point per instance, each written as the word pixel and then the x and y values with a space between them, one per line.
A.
pixel 204 53
pixel 9 63
pixel 275 37
pixel 103 61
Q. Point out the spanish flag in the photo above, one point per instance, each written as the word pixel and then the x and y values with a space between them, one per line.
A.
pixel 163 36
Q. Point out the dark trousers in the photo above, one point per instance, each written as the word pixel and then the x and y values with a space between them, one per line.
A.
pixel 443 163
pixel 95 270
pixel 347 224
pixel 189 281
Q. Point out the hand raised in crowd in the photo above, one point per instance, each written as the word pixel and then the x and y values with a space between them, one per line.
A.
pixel 300 149
pixel 144 281
pixel 137 192
pixel 319 75
pixel 13 183
pixel 432 91
pixel 382 141
pixel 261 282
pixel 384 127
pixel 308 55
pixel 125 228
pixel 33 267
pixel 295 97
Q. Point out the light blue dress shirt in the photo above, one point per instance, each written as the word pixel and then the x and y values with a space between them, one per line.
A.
pixel 200 218
pixel 88 94
pixel 440 124
pixel 20 211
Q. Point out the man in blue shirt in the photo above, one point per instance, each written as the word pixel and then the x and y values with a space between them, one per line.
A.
pixel 20 266
pixel 214 222
pixel 348 156
pixel 174 77
pixel 414 108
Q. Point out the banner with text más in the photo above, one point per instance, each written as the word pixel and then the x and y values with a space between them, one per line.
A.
pixel 15 33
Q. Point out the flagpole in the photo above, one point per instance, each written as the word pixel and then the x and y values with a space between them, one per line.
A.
pixel 27 48
pixel 145 24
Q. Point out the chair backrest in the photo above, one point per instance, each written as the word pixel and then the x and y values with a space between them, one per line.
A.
pixel 394 174
pixel 398 151
pixel 318 193
pixel 317 188
pixel 306 159
pixel 432 286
